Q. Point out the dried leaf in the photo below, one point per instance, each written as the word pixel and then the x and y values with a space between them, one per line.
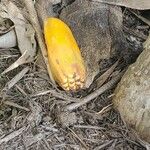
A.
pixel 135 4
pixel 8 40
pixel 21 60
pixel 24 31
pixel 35 22
pixel 14 80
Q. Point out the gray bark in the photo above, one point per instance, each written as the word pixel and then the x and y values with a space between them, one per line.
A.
pixel 132 95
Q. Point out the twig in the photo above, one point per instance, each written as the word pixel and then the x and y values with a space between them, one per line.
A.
pixel 14 80
pixel 58 95
pixel 113 145
pixel 15 105
pixel 45 144
pixel 49 128
pixel 32 140
pixel 89 127
pixel 93 95
pixel 104 145
pixel 101 80
pixel 36 25
pixel 7 56
pixel 135 33
pixel 82 142
pixel 105 109
pixel 141 17
pixel 12 135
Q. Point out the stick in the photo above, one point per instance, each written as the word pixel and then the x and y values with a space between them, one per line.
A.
pixel 12 135
pixel 15 105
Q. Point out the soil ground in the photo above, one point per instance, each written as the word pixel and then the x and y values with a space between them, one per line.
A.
pixel 40 123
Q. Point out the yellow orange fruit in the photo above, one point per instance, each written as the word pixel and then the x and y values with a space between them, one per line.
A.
pixel 64 56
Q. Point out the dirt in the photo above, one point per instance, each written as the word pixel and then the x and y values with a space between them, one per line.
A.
pixel 94 126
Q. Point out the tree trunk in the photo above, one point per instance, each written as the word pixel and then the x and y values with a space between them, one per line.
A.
pixel 132 95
